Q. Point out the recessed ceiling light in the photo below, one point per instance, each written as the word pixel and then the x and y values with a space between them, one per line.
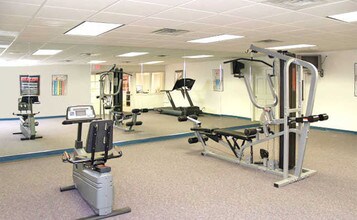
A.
pixel 20 62
pixel 197 56
pixel 96 61
pixel 132 54
pixel 152 62
pixel 3 46
pixel 47 52
pixel 222 37
pixel 346 17
pixel 287 47
pixel 88 28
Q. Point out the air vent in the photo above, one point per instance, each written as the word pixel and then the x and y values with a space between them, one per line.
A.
pixel 295 4
pixel 66 61
pixel 268 41
pixel 169 31
pixel 161 55
pixel 89 54
pixel 126 61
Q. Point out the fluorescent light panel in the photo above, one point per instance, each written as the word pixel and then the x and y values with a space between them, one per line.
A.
pixel 96 61
pixel 132 54
pixel 222 37
pixel 346 17
pixel 287 47
pixel 89 28
pixel 47 52
pixel 197 56
pixel 20 62
pixel 3 46
pixel 152 62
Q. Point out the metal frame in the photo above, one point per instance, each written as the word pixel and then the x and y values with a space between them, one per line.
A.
pixel 302 129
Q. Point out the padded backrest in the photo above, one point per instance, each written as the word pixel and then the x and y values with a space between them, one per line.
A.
pixel 100 133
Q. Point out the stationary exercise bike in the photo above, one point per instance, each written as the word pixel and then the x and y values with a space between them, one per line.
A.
pixel 91 177
pixel 27 117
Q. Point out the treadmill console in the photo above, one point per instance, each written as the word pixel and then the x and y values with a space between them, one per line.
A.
pixel 80 112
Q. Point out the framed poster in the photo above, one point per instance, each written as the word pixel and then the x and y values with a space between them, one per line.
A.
pixel 217 76
pixel 29 85
pixel 178 75
pixel 355 80
pixel 59 85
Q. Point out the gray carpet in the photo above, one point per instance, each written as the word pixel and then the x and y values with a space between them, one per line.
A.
pixel 57 136
pixel 171 180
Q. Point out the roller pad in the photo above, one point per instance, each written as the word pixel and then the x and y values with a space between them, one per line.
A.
pixel 192 140
pixel 182 118
pixel 144 110
pixel 250 131
pixel 323 117
pixel 135 111
pixel 129 124
pixel 139 123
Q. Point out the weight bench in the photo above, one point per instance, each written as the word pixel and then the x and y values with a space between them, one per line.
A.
pixel 230 137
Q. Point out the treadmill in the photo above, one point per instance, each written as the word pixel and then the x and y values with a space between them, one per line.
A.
pixel 182 85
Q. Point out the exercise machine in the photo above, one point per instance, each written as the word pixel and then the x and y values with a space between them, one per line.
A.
pixel 239 141
pixel 28 122
pixel 111 99
pixel 127 121
pixel 183 85
pixel 91 175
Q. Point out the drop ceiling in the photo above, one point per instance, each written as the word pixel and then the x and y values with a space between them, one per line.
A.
pixel 29 25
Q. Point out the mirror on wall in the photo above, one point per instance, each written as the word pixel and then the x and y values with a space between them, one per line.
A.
pixel 142 92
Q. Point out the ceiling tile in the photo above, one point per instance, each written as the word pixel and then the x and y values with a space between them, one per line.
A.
pixel 192 26
pixel 217 5
pixel 158 22
pixel 11 27
pixel 252 24
pixel 220 19
pixel 257 11
pixel 183 14
pixel 332 9
pixel 165 2
pixel 47 22
pixel 115 18
pixel 289 17
pixel 136 8
pixel 32 2
pixel 10 8
pixel 81 4
pixel 64 13
pixel 14 20
pixel 136 29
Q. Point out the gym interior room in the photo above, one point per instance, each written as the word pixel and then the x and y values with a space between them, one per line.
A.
pixel 178 109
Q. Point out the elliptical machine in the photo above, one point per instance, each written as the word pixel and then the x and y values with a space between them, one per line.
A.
pixel 27 117
pixel 91 177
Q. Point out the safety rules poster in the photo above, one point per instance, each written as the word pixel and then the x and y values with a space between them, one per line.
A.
pixel 29 84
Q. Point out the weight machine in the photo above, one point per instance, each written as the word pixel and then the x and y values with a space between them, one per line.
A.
pixel 111 98
pixel 27 117
pixel 238 141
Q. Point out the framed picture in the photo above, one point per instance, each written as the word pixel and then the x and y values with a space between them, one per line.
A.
pixel 178 75
pixel 29 85
pixel 217 76
pixel 59 85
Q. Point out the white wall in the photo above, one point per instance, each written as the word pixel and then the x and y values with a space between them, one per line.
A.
pixel 78 88
pixel 335 91
pixel 233 100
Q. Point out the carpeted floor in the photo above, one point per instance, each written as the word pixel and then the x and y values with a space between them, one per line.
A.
pixel 171 180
